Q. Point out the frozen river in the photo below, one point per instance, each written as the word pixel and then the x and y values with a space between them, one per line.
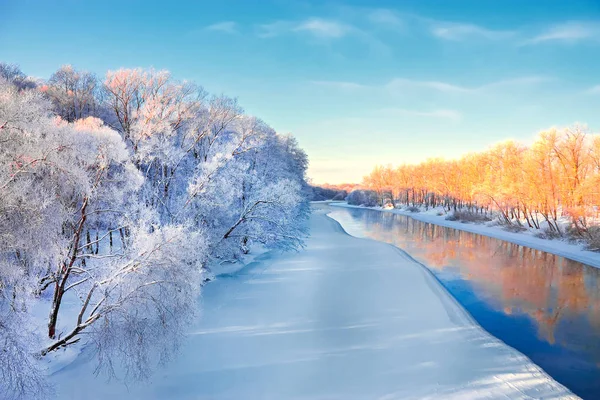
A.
pixel 345 319
pixel 543 305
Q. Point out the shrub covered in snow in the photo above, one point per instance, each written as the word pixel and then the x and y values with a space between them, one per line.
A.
pixel 514 228
pixel 593 238
pixel 468 216
pixel 548 233
pixel 367 198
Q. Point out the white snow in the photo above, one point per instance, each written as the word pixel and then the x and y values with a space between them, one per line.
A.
pixel 347 318
pixel 559 247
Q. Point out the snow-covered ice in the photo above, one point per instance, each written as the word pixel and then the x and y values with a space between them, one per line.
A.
pixel 347 318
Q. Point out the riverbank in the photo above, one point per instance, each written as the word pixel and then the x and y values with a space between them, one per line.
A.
pixel 562 248
pixel 346 318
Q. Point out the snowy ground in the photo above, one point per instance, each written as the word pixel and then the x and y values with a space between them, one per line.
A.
pixel 559 247
pixel 346 319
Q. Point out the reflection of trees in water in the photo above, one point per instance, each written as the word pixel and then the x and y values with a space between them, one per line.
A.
pixel 560 295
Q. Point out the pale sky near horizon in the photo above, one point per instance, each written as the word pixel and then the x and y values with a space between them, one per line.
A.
pixel 358 83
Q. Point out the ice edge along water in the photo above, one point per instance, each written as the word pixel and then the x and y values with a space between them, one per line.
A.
pixel 456 312
pixel 575 252
pixel 347 318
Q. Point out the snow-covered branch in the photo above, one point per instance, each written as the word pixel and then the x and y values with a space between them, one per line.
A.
pixel 114 197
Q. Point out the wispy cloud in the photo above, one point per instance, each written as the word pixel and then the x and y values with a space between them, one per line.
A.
pixel 519 81
pixel 385 18
pixel 368 25
pixel 318 27
pixel 403 21
pixel 452 115
pixel 593 90
pixel 274 29
pixel 229 27
pixel 462 31
pixel 323 28
pixel 567 32
pixel 375 28
pixel 402 83
pixel 340 85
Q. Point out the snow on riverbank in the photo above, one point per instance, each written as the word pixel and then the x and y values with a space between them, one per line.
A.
pixel 347 318
pixel 559 247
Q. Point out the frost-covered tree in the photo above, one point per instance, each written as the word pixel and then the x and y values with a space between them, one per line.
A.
pixel 109 222
pixel 26 218
pixel 74 94
pixel 205 161
pixel 13 74
pixel 156 116
pixel 249 191
pixel 62 185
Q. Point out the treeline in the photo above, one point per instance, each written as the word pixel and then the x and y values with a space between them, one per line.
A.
pixel 116 195
pixel 328 191
pixel 535 186
pixel 319 193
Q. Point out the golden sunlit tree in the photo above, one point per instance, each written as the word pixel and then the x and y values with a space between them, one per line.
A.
pixel 558 176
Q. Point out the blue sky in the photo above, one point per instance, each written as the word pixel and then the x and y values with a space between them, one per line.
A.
pixel 357 82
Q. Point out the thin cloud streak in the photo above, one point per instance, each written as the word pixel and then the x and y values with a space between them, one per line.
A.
pixel 397 84
pixel 567 32
pixel 274 29
pixel 593 90
pixel 318 27
pixel 323 28
pixel 441 29
pixel 341 85
pixel 326 30
pixel 229 27
pixel 523 80
pixel 453 31
pixel 386 18
pixel 364 23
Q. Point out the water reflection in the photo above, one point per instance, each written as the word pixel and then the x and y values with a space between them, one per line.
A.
pixel 544 305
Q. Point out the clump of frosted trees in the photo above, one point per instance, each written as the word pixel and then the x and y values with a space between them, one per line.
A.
pixel 115 197
pixel 367 198
pixel 555 178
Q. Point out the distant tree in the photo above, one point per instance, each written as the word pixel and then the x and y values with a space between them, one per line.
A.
pixel 557 176
pixel 74 94
pixel 322 193
pixel 13 74
pixel 368 198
